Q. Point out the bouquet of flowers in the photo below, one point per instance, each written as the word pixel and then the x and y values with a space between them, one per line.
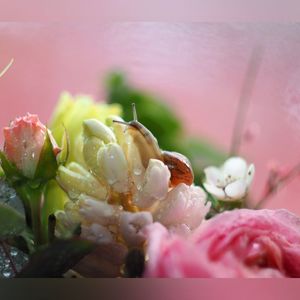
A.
pixel 97 193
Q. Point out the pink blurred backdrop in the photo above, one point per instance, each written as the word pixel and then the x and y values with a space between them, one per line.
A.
pixel 197 67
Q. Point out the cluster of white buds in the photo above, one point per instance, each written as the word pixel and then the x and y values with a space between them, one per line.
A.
pixel 125 185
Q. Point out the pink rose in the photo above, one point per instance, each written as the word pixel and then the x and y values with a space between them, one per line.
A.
pixel 239 243
pixel 24 141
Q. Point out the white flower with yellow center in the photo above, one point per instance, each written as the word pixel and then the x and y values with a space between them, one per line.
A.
pixel 231 181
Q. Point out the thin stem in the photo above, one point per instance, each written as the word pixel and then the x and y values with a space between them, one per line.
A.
pixel 7 254
pixel 244 100
pixel 295 171
pixel 6 68
pixel 33 202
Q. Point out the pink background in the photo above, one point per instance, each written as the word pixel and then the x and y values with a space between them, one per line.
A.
pixel 197 67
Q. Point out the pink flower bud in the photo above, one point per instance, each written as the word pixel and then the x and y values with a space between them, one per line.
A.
pixel 24 141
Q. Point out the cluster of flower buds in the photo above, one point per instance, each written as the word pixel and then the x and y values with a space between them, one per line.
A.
pixel 117 178
pixel 126 184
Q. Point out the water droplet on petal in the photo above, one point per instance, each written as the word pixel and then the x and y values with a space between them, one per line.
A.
pixel 6 273
pixel 111 181
pixel 13 252
pixel 137 171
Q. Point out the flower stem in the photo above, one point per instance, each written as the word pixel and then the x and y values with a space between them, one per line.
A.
pixel 247 87
pixel 295 171
pixel 2 72
pixel 33 201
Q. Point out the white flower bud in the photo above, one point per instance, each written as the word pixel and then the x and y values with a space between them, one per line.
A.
pixel 91 146
pixel 155 184
pixel 76 180
pixel 94 211
pixel 112 164
pixel 97 233
pixel 131 225
pixel 93 127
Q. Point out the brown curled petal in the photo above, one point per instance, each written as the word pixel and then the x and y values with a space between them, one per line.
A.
pixel 56 148
pixel 180 168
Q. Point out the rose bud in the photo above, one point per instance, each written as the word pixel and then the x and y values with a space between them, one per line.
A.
pixel 29 147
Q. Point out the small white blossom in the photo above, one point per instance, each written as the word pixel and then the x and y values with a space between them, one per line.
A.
pixel 184 205
pixel 94 211
pixel 99 220
pixel 231 181
pixel 97 233
pixel 131 225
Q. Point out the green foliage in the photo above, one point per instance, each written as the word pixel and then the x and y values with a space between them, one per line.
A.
pixel 63 156
pixel 54 200
pixel 47 165
pixel 152 111
pixel 12 222
pixel 12 174
pixel 56 259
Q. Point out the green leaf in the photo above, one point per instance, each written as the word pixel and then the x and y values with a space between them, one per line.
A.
pixel 24 242
pixel 2 174
pixel 152 111
pixel 11 171
pixel 63 156
pixel 47 165
pixel 12 222
pixel 56 259
pixel 8 196
pixel 54 200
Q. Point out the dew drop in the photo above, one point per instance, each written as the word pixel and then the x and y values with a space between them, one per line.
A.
pixel 137 171
pixel 73 194
pixel 6 273
pixel 111 181
pixel 13 252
